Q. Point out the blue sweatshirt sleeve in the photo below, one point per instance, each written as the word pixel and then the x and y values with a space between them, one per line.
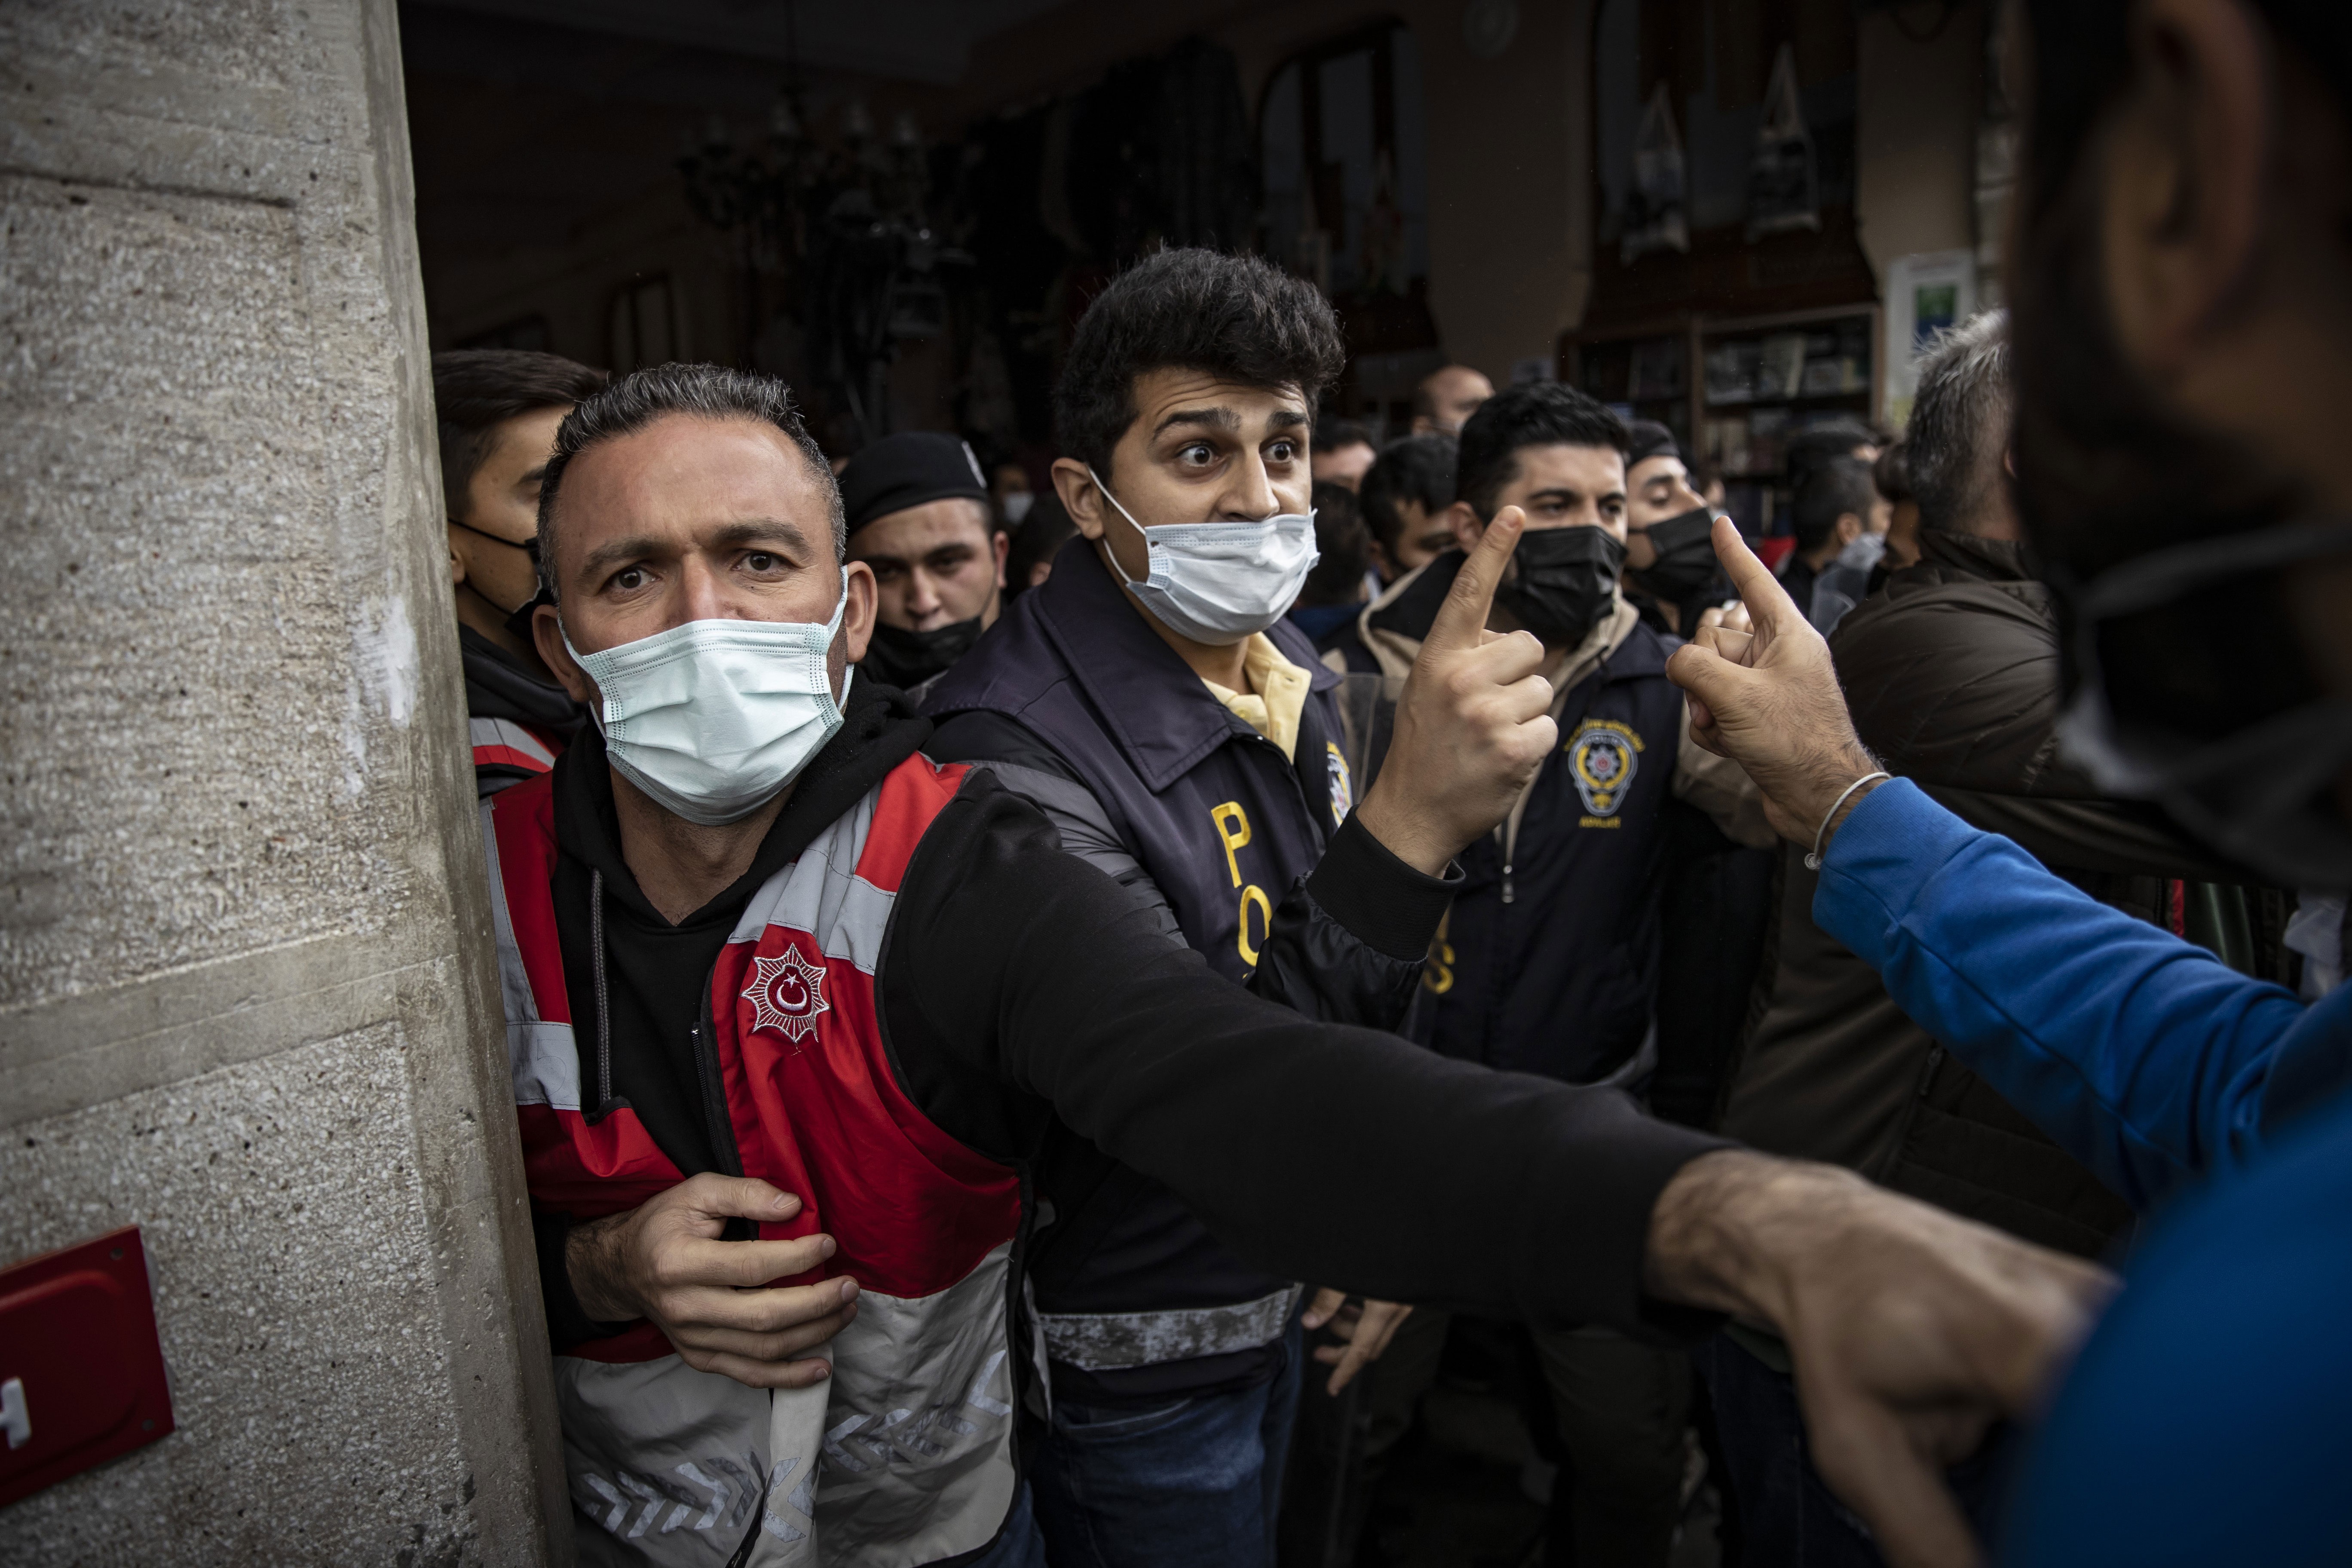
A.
pixel 2144 1057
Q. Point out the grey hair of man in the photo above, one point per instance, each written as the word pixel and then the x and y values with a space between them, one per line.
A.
pixel 702 391
pixel 1958 440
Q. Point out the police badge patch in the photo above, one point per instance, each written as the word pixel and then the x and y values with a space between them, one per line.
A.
pixel 1605 755
pixel 786 993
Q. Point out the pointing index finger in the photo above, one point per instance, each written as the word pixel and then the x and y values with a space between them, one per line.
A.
pixel 1463 618
pixel 1768 602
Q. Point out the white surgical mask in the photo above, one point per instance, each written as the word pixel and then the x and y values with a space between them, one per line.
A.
pixel 1017 505
pixel 712 718
pixel 1219 581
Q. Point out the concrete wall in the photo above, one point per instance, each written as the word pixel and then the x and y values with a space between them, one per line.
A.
pixel 246 997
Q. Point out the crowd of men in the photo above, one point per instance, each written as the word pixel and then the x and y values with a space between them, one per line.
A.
pixel 1039 1000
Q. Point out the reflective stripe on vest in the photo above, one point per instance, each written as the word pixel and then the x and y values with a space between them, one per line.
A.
pixel 502 743
pixel 904 1456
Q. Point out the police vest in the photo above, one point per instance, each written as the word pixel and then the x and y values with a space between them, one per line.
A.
pixel 905 1455
pixel 1224 824
pixel 1548 962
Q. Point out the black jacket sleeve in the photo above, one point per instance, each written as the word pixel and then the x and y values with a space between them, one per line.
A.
pixel 1345 944
pixel 1017 985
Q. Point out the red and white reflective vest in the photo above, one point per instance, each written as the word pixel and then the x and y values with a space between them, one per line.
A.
pixel 505 753
pixel 905 1455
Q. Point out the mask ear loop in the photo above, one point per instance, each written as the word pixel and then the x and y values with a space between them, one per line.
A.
pixel 1131 522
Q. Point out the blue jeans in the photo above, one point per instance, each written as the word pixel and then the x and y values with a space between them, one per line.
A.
pixel 1195 1481
pixel 1018 1545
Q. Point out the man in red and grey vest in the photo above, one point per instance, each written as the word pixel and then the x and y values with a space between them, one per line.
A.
pixel 771 972
pixel 498 410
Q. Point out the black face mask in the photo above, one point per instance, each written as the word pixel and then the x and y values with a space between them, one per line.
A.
pixel 1685 563
pixel 1566 578
pixel 906 659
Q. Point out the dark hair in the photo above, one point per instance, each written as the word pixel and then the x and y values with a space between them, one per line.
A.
pixel 1345 545
pixel 1424 391
pixel 1417 468
pixel 1891 475
pixel 1811 447
pixel 1333 435
pixel 1539 414
pixel 475 391
pixel 1830 490
pixel 1232 317
pixel 1040 537
pixel 704 391
pixel 1959 423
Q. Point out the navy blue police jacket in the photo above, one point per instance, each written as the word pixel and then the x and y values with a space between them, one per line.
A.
pixel 1549 959
pixel 1254 862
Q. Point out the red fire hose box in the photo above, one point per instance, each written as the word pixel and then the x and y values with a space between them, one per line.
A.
pixel 81 1371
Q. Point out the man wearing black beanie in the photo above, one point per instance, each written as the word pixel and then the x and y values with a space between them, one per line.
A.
pixel 918 515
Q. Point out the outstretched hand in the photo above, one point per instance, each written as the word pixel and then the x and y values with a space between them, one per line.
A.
pixel 1767 698
pixel 1474 723
pixel 1912 1330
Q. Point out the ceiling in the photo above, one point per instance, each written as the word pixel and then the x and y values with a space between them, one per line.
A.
pixel 912 40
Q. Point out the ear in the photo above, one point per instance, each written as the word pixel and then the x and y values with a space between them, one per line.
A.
pixel 457 562
pixel 1080 495
pixel 547 636
pixel 1462 520
pixel 1003 547
pixel 864 595
pixel 2187 170
pixel 1848 527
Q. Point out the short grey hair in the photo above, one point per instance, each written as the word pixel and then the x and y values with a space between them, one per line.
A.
pixel 705 391
pixel 1959 433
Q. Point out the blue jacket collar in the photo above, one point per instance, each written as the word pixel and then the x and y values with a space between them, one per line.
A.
pixel 1160 713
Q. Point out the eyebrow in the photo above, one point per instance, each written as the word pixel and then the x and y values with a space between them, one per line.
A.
pixel 1214 418
pixel 750 531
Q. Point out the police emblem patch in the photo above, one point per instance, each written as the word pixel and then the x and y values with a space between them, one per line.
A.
pixel 1605 755
pixel 786 993
pixel 1343 785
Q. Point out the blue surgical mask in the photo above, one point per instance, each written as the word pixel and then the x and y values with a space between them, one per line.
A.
pixel 1217 583
pixel 712 718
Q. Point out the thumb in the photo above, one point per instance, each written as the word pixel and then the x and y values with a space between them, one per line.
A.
pixel 747 1197
pixel 1706 675
pixel 1462 619
pixel 1872 1463
pixel 1327 1301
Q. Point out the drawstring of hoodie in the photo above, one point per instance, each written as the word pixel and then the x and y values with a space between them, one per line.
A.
pixel 604 1014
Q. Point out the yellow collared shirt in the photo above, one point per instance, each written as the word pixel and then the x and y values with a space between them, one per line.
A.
pixel 1278 696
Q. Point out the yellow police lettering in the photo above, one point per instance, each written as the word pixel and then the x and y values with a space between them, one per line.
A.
pixel 1254 894
pixel 1232 831
pixel 1437 970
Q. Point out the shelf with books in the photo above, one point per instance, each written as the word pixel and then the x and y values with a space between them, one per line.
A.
pixel 1735 390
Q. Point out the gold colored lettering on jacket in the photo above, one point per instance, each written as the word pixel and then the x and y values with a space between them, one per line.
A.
pixel 1437 969
pixel 1600 822
pixel 1234 831
pixel 1254 894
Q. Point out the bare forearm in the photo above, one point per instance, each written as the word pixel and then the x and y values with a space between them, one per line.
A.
pixel 1732 1226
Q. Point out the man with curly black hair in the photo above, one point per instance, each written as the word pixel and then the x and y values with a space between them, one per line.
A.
pixel 1154 699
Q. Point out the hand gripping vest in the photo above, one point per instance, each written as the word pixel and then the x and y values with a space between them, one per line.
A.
pixel 905 1455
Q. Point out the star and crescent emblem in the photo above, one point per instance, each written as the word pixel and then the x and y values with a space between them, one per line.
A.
pixel 786 993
